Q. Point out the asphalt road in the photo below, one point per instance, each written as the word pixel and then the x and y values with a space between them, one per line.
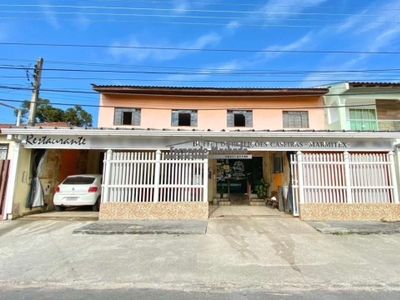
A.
pixel 155 294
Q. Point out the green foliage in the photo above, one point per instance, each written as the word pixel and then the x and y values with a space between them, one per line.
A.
pixel 45 112
pixel 262 188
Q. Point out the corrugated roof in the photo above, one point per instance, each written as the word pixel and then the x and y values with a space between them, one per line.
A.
pixel 208 91
pixel 202 88
pixel 196 130
pixel 373 84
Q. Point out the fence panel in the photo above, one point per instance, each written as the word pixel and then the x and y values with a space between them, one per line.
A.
pixel 370 178
pixel 133 177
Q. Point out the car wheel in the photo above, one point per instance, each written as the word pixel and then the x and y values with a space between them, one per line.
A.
pixel 96 206
pixel 59 207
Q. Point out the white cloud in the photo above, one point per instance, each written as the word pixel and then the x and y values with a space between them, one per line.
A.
pixel 4 32
pixel 295 45
pixel 249 62
pixel 134 53
pixel 50 15
pixel 180 6
pixel 82 21
pixel 360 34
pixel 275 10
pixel 232 26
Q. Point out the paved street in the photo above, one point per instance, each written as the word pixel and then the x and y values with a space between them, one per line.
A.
pixel 282 257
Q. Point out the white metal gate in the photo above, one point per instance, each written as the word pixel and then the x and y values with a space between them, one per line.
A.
pixel 343 178
pixel 154 177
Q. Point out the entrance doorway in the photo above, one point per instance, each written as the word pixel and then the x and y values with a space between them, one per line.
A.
pixel 236 178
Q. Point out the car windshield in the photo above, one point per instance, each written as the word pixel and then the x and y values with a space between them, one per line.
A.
pixel 79 180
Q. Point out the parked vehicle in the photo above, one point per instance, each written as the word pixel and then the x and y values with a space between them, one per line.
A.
pixel 79 190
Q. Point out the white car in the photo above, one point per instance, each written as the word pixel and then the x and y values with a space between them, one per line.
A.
pixel 79 190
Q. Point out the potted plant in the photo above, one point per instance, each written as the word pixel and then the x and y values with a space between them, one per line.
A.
pixel 262 188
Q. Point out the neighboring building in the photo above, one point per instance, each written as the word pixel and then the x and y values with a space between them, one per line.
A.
pixel 152 142
pixel 364 106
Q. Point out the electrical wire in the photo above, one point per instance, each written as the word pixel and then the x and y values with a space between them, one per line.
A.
pixel 203 49
pixel 273 71
pixel 206 109
pixel 126 8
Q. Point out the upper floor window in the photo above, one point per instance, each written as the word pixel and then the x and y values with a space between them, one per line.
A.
pixel 184 118
pixel 362 119
pixel 127 116
pixel 295 119
pixel 240 118
pixel 3 151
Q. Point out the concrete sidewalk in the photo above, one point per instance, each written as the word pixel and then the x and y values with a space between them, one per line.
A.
pixel 356 227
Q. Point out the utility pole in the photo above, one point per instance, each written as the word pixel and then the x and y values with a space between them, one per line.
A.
pixel 35 91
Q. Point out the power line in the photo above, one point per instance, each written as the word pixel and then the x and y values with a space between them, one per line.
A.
pixel 232 4
pixel 175 80
pixel 119 20
pixel 127 8
pixel 208 109
pixel 203 17
pixel 274 71
pixel 202 49
pixel 60 90
pixel 211 72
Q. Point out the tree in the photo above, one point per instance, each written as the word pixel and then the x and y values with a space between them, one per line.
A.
pixel 45 112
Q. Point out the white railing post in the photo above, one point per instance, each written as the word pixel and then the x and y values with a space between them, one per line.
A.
pixel 205 180
pixel 394 179
pixel 347 175
pixel 157 176
pixel 107 176
pixel 300 179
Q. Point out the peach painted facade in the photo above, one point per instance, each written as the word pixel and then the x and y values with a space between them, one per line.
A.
pixel 212 111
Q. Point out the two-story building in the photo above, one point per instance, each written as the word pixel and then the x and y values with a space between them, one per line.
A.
pixel 170 152
pixel 365 106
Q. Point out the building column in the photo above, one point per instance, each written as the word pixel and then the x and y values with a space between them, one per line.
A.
pixel 157 176
pixel 11 182
pixel 107 176
pixel 300 179
pixel 347 175
pixel 394 178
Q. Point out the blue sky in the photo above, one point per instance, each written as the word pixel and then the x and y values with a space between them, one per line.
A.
pixel 275 43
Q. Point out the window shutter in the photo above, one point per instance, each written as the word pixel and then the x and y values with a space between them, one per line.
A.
pixel 117 116
pixel 175 118
pixel 193 118
pixel 136 116
pixel 249 118
pixel 230 119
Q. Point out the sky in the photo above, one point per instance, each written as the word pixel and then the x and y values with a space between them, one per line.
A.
pixel 209 43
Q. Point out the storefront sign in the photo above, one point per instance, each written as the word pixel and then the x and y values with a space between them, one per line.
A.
pixel 54 141
pixel 246 145
pixel 246 156
pixel 210 146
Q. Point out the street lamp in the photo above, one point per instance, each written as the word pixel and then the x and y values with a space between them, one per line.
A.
pixel 15 108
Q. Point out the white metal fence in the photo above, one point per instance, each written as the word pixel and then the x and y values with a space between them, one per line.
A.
pixel 343 178
pixel 153 177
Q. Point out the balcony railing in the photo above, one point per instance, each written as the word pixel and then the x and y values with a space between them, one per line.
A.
pixel 365 125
